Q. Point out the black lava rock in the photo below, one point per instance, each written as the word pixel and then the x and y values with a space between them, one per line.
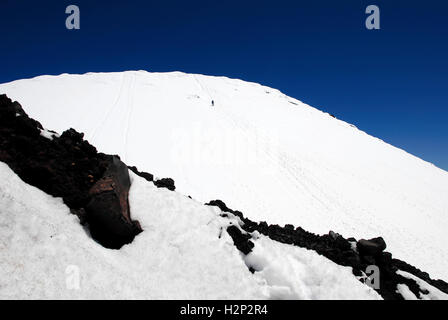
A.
pixel 339 250
pixel 108 212
pixel 145 175
pixel 165 183
pixel 240 239
pixel 372 247
pixel 93 185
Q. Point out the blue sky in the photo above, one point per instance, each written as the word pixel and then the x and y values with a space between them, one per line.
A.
pixel 390 83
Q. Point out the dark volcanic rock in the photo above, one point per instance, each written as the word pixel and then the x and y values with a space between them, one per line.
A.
pixel 221 205
pixel 440 284
pixel 145 175
pixel 338 249
pixel 165 183
pixel 108 209
pixel 372 247
pixel 66 166
pixel 240 239
pixel 70 168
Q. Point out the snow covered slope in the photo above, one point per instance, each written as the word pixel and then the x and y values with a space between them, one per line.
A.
pixel 45 254
pixel 266 154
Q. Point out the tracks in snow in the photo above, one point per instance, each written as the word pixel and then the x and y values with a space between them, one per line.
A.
pixel 124 106
pixel 111 109
pixel 130 111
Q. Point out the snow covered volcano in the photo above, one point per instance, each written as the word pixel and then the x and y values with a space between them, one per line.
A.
pixel 271 156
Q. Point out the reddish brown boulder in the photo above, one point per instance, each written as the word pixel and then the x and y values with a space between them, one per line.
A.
pixel 108 212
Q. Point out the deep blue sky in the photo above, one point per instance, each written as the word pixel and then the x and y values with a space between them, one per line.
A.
pixel 390 83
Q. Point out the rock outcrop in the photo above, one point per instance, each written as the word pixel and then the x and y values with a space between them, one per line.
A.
pixel 145 175
pixel 93 185
pixel 167 183
pixel 107 211
pixel 346 252
pixel 373 247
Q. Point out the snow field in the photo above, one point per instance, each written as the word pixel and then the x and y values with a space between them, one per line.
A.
pixel 183 253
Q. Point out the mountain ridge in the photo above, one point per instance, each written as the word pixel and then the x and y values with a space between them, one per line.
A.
pixel 96 187
pixel 271 156
pixel 177 72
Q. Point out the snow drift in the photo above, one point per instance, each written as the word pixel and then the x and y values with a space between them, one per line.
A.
pixel 179 255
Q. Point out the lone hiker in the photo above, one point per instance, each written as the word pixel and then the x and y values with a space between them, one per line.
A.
pixel 213 103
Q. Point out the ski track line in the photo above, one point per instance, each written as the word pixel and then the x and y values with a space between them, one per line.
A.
pixel 130 109
pixel 287 167
pixel 290 167
pixel 293 173
pixel 244 128
pixel 110 110
pixel 203 88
